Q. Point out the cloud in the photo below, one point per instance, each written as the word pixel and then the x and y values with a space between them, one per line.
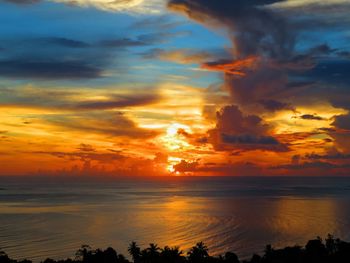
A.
pixel 221 169
pixel 237 67
pixel 283 69
pixel 237 131
pixel 313 165
pixel 49 69
pixel 114 124
pixel 331 156
pixel 85 156
pixel 117 102
pixel 273 105
pixel 322 49
pixel 330 71
pixel 263 44
pixel 341 133
pixel 129 6
pixel 256 30
pixel 290 66
pixel 249 139
pixel 53 58
pixel 311 117
pixel 86 148
pixel 22 2
pixel 74 100
pixel 184 166
pixel 61 41
pixel 342 122
pixel 123 42
pixel 61 58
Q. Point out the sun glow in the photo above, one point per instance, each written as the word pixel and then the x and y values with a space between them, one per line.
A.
pixel 172 140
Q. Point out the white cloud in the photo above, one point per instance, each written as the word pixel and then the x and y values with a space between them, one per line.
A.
pixel 128 6
pixel 307 3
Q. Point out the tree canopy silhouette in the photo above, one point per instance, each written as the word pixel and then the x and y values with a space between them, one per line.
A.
pixel 330 250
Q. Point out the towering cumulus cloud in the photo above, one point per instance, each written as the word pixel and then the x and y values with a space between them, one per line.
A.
pixel 274 72
pixel 255 75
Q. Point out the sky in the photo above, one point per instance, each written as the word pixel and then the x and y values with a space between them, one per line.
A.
pixel 177 87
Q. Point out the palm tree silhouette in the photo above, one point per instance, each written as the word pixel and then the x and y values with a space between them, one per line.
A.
pixel 198 253
pixel 171 255
pixel 134 251
pixel 151 254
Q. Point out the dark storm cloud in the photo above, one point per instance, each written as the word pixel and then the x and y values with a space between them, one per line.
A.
pixel 265 39
pixel 234 130
pixel 290 68
pixel 273 105
pixel 256 30
pixel 49 69
pixel 342 122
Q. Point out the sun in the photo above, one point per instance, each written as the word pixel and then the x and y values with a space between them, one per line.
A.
pixel 175 143
pixel 172 140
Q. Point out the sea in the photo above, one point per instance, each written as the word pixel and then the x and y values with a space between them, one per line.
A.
pixel 43 217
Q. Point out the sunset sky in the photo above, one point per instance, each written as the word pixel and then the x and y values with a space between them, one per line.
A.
pixel 179 87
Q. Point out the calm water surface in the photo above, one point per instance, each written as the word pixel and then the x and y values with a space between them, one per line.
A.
pixel 52 218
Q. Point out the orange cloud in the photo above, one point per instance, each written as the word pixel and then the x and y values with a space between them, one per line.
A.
pixel 237 67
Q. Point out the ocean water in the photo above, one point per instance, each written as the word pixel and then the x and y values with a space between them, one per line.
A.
pixel 53 217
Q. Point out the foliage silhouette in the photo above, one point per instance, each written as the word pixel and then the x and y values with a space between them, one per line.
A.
pixel 330 250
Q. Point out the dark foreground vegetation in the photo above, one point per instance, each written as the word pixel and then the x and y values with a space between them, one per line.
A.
pixel 330 250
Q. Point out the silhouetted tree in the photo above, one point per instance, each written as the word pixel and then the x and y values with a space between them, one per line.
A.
pixel 110 255
pixel 198 253
pixel 171 255
pixel 151 254
pixel 255 259
pixel 330 244
pixel 231 257
pixel 83 253
pixel 316 251
pixel 4 258
pixel 134 251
